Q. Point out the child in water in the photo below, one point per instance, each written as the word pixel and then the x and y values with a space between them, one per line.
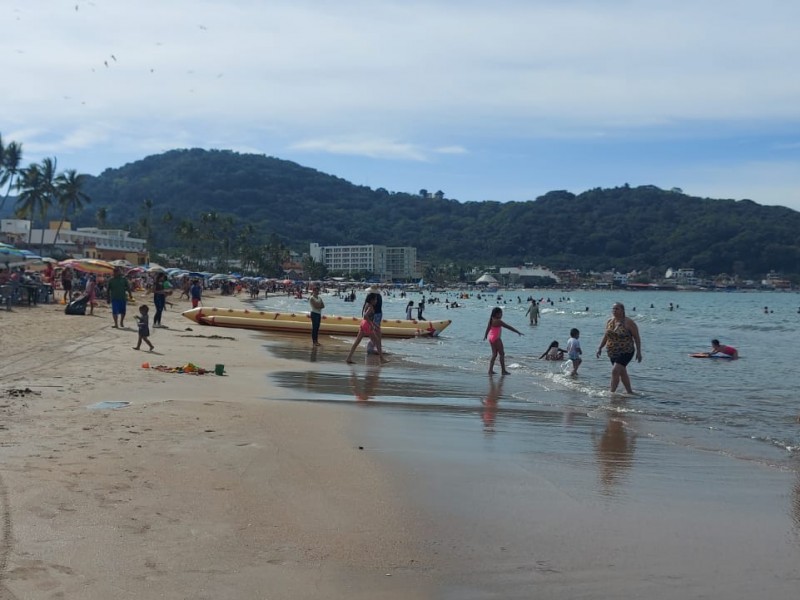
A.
pixel 144 328
pixel 553 352
pixel 493 330
pixel 574 350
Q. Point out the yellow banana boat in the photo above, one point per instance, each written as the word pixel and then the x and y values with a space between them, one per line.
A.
pixel 288 322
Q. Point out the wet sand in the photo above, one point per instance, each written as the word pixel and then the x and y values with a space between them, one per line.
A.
pixel 546 504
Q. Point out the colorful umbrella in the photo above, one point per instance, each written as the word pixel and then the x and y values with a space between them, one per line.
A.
pixel 88 265
pixel 11 251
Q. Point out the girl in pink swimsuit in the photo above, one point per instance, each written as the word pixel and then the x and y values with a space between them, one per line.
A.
pixel 493 330
pixel 367 328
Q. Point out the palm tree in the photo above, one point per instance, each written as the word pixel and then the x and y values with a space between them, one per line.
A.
pixel 69 195
pixel 102 217
pixel 10 158
pixel 145 222
pixel 34 198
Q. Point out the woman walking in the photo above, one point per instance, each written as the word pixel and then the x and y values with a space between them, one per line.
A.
pixel 623 342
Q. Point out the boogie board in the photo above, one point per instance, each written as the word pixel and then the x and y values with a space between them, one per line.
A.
pixel 706 355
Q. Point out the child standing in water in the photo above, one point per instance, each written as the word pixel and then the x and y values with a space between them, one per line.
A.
pixel 493 330
pixel 144 328
pixel 574 350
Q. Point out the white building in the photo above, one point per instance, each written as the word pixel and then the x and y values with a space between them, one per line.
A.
pixel 15 230
pixel 91 242
pixel 386 263
pixel 528 272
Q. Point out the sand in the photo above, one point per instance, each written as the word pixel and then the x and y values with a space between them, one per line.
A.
pixel 202 487
pixel 213 487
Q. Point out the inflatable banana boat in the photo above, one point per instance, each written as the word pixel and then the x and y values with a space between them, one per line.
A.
pixel 301 322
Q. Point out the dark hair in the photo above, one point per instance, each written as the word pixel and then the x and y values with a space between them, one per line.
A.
pixel 715 342
pixel 553 344
pixel 573 332
pixel 497 312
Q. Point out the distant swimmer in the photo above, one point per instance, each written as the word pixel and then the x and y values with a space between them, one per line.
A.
pixel 720 351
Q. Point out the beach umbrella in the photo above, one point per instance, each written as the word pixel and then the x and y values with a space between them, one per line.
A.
pixel 156 269
pixel 10 251
pixel 218 277
pixel 88 265
pixel 52 261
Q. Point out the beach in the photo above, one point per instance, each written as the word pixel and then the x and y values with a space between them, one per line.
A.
pixel 200 488
pixel 294 475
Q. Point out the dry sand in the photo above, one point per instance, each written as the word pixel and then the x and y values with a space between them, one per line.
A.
pixel 202 487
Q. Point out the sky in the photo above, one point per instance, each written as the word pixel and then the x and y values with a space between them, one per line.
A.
pixel 503 100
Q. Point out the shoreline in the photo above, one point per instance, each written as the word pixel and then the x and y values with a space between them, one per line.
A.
pixel 200 488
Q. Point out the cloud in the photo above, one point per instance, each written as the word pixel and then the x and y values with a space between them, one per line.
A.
pixel 366 147
pixel 451 150
pixel 425 80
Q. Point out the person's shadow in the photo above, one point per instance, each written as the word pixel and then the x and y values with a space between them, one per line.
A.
pixel 366 387
pixel 614 450
pixel 489 404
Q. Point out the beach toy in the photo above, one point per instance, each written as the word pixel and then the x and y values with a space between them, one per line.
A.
pixel 146 365
pixel 219 369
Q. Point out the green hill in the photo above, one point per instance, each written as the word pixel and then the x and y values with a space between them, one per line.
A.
pixel 623 228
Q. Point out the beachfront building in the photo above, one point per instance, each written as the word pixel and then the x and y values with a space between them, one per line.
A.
pixel 382 261
pixel 685 276
pixel 528 274
pixel 91 242
pixel 14 231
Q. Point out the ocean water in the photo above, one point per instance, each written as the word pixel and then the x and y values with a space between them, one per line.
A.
pixel 747 409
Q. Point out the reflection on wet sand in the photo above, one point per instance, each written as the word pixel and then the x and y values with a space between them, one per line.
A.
pixel 490 402
pixel 614 451
pixel 365 386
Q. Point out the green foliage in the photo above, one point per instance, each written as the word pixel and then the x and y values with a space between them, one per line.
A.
pixel 287 206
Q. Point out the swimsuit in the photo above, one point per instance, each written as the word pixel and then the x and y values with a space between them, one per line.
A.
pixel 494 333
pixel 619 342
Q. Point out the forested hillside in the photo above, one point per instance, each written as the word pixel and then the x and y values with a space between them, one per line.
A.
pixel 623 228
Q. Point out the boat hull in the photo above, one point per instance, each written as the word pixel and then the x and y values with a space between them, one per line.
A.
pixel 263 320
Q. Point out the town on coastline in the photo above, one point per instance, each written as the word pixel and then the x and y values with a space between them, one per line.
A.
pixel 373 263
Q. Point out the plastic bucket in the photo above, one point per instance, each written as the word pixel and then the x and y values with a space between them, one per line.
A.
pixel 219 369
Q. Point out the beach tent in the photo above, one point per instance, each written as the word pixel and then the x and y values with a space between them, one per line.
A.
pixel 486 279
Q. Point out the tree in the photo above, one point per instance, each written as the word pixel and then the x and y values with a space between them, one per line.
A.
pixel 35 185
pixel 145 221
pixel 102 217
pixel 69 195
pixel 10 159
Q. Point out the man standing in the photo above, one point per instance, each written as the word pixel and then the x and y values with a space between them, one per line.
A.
pixel 119 292
pixel 316 304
